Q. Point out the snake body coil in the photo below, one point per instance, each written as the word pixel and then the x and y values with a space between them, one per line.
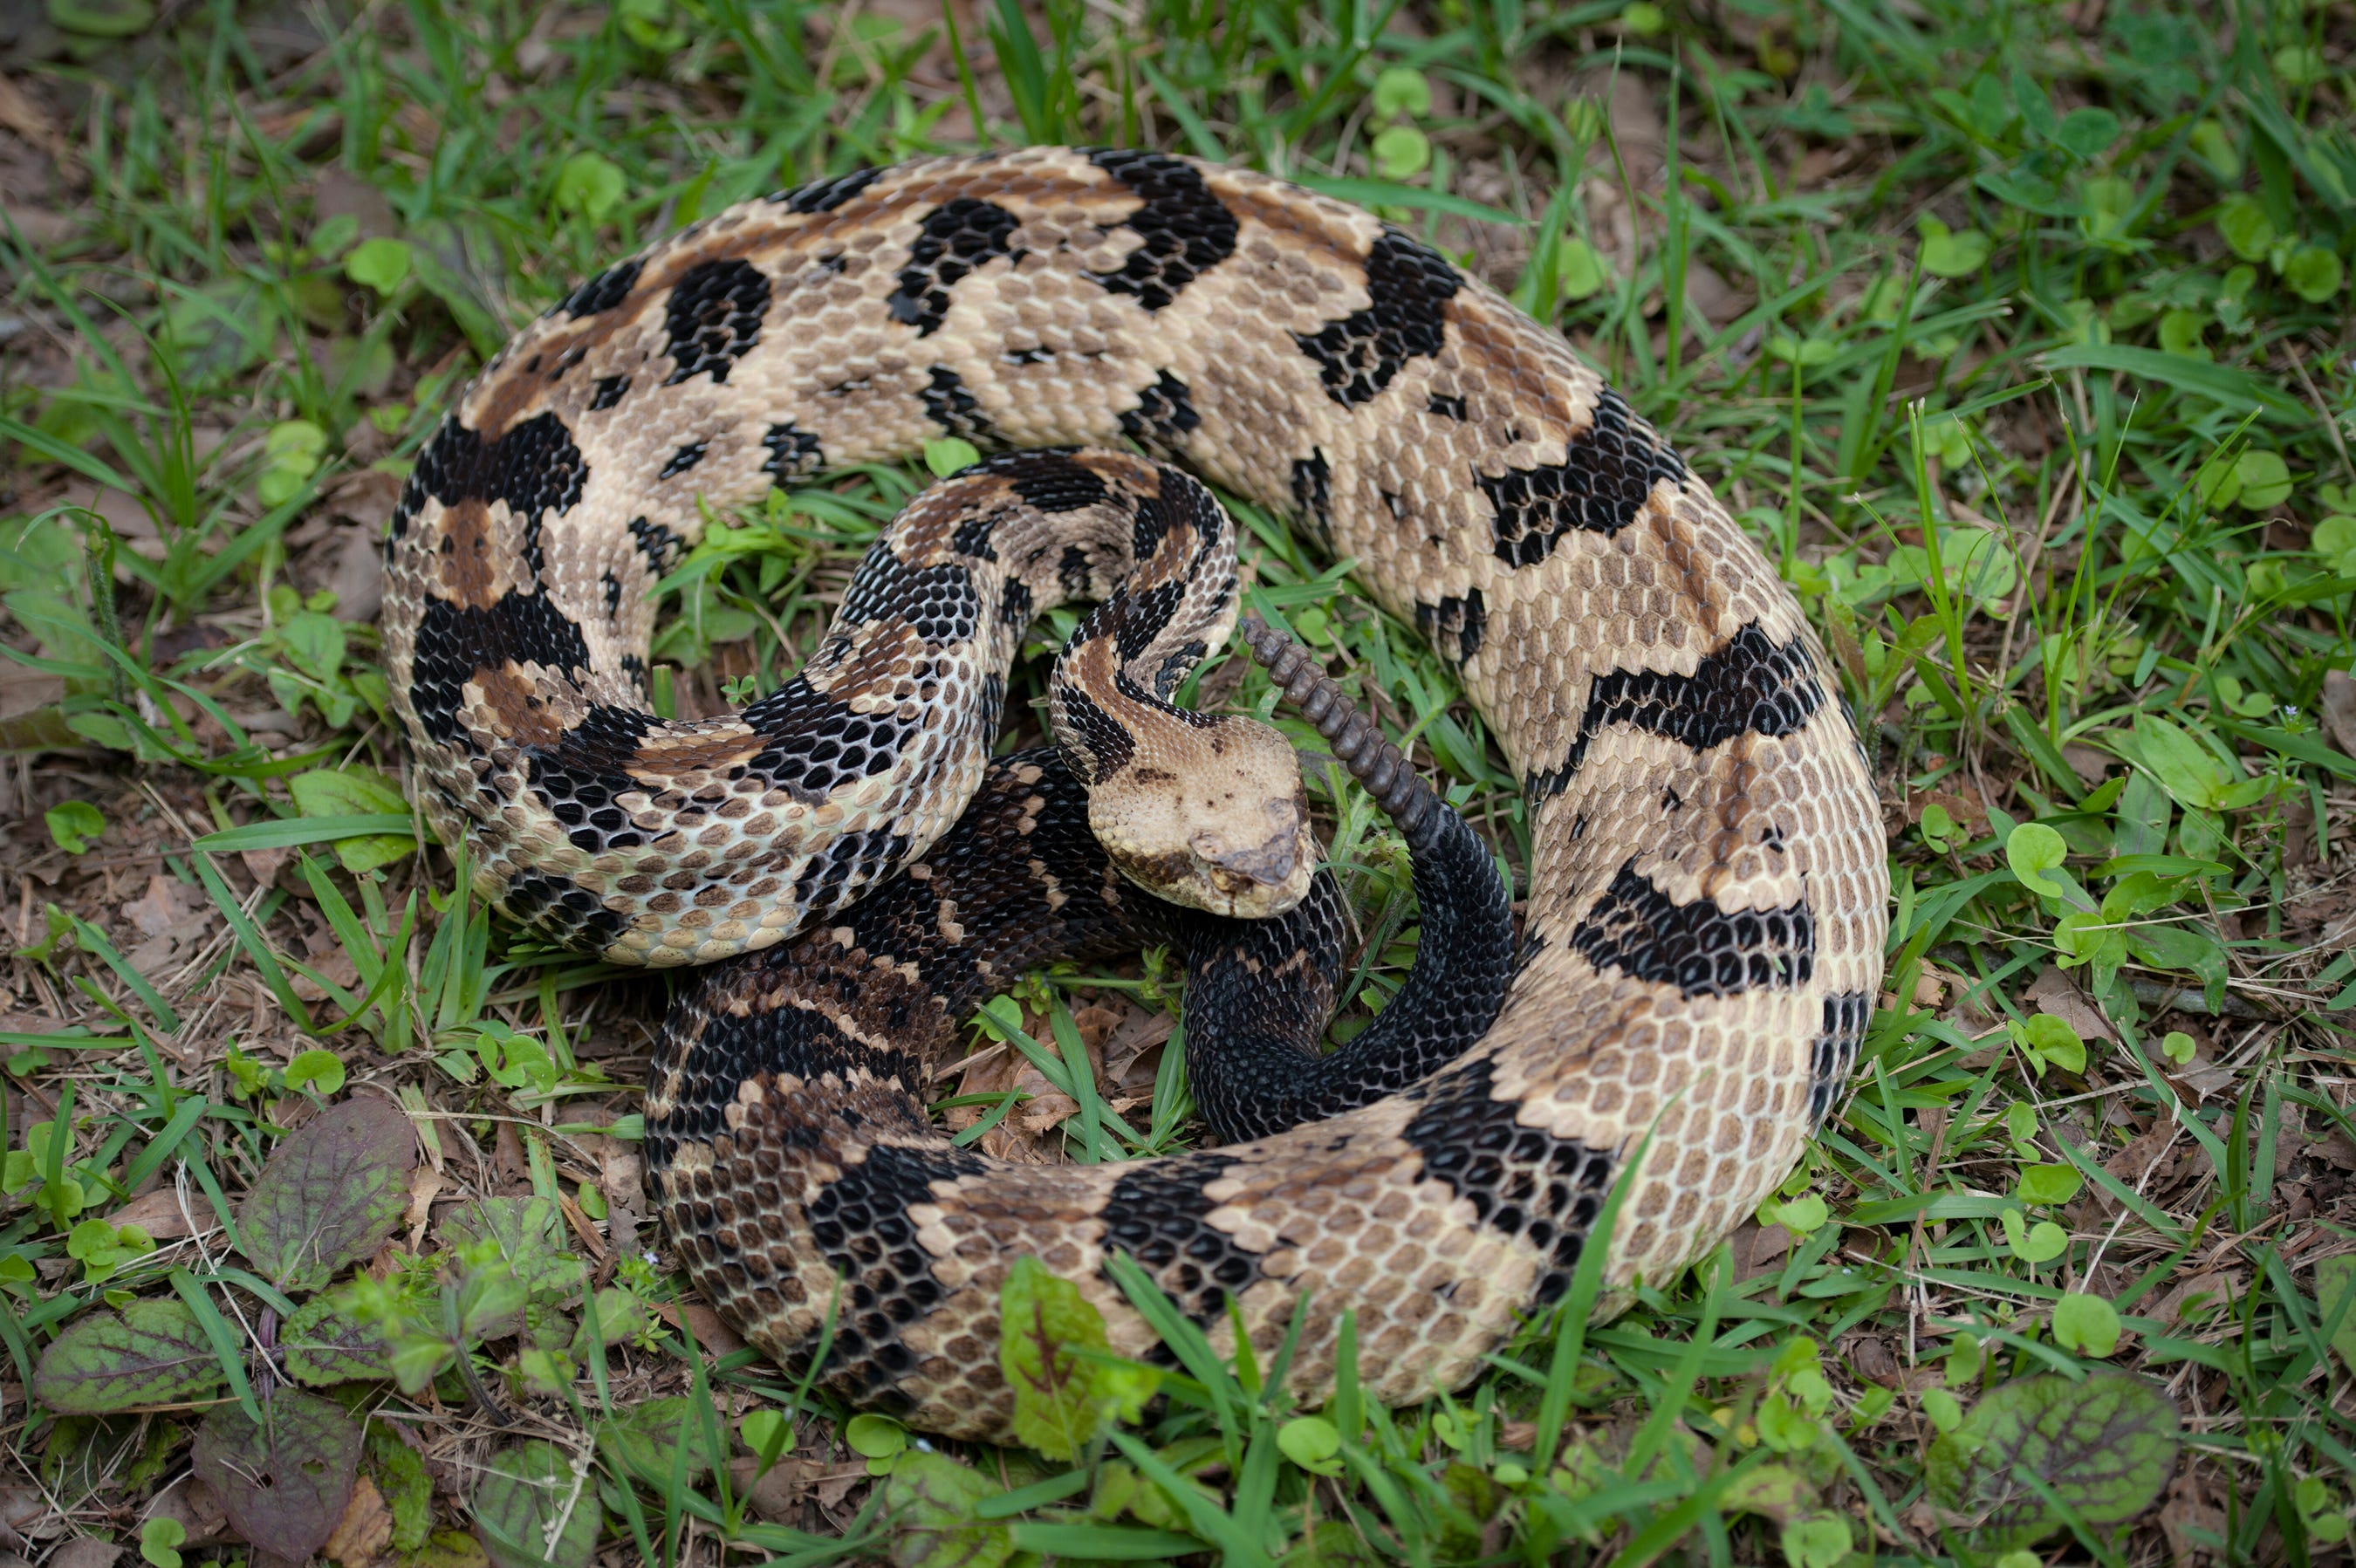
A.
pixel 1707 902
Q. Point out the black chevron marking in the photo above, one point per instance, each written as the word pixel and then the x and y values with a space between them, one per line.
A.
pixel 1751 686
pixel 1698 948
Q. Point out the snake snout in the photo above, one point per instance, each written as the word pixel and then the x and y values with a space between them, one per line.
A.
pixel 1264 878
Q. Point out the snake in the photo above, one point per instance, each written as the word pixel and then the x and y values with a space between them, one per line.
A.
pixel 1693 962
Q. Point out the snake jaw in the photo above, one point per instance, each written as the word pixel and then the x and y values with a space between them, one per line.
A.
pixel 1264 879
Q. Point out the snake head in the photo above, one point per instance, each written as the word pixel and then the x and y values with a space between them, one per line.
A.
pixel 1214 818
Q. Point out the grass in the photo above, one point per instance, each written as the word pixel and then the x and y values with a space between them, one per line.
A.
pixel 2018 334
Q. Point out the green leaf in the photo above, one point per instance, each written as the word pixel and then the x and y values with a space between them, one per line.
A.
pixel 316 1069
pixel 1402 89
pixel 2104 1446
pixel 159 1541
pixel 1043 1322
pixel 1312 1443
pixel 873 1436
pixel 2054 1040
pixel 2085 134
pixel 330 793
pixel 527 1235
pixel 103 18
pixel 1949 254
pixel 2265 481
pixel 932 1498
pixel 332 1191
pixel 2032 850
pixel 327 1342
pixel 2186 769
pixel 2246 228
pixel 641 1440
pixel 591 185
pixel 1578 270
pixel 74 825
pixel 1401 152
pixel 2335 1295
pixel 2313 274
pixel 153 1352
pixel 532 1507
pixel 286 1484
pixel 381 264
pixel 1820 1542
pixel 2048 1184
pixel 2086 1325
pixel 2040 1244
pixel 950 455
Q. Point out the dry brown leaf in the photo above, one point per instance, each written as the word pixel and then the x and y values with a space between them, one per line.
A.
pixel 2054 993
pixel 712 1336
pixel 2339 709
pixel 21 114
pixel 777 1495
pixel 161 1215
pixel 365 1530
pixel 167 902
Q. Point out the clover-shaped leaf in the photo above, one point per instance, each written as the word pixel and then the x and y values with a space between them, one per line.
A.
pixel 2032 850
pixel 2085 1323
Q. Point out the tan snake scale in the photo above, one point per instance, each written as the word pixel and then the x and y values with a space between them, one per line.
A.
pixel 1704 923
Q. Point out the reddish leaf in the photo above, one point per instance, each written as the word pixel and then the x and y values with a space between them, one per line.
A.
pixel 285 1486
pixel 153 1353
pixel 330 1195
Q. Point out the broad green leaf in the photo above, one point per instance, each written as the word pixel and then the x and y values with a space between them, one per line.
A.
pixel 322 1071
pixel 1402 89
pixel 103 18
pixel 284 1484
pixel 355 792
pixel 2085 1323
pixel 2048 1184
pixel 2052 1039
pixel 932 1498
pixel 160 1539
pixel 2040 1244
pixel 2335 1294
pixel 642 1439
pixel 381 264
pixel 2313 274
pixel 1043 1322
pixel 2245 227
pixel 950 455
pixel 533 1508
pixel 1949 254
pixel 873 1436
pixel 591 185
pixel 407 1490
pixel 1820 1542
pixel 2032 850
pixel 2265 481
pixel 328 1342
pixel 2086 133
pixel 74 825
pixel 2104 1446
pixel 333 1190
pixel 528 1235
pixel 1312 1443
pixel 1401 152
pixel 1577 270
pixel 2186 769
pixel 153 1352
